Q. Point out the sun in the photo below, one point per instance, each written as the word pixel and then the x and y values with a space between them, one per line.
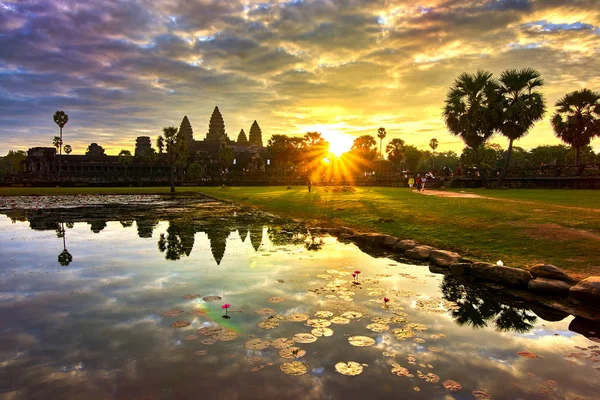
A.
pixel 339 143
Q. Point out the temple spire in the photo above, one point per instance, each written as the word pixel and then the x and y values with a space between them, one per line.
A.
pixel 242 140
pixel 216 127
pixel 186 129
pixel 255 135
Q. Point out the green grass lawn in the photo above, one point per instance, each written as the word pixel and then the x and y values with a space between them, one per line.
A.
pixel 521 227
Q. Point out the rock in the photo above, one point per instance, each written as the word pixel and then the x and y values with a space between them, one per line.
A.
pixel 437 270
pixel 460 269
pixel 547 313
pixel 344 237
pixel 550 272
pixel 550 287
pixel 585 327
pixel 587 290
pixel 402 245
pixel 390 241
pixel 373 239
pixel 419 252
pixel 506 275
pixel 443 258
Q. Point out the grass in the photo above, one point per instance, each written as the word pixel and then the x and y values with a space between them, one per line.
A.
pixel 520 227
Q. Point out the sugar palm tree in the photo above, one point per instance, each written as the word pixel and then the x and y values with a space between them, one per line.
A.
pixel 395 150
pixel 176 147
pixel 471 111
pixel 433 143
pixel 522 106
pixel 61 119
pixel 577 119
pixel 68 149
pixel 381 133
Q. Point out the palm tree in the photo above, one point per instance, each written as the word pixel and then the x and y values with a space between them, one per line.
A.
pixel 395 150
pixel 381 133
pixel 57 142
pixel 471 111
pixel 61 119
pixel 174 141
pixel 577 118
pixel 433 143
pixel 68 149
pixel 125 158
pixel 522 106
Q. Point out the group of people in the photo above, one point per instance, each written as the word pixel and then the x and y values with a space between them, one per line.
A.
pixel 419 182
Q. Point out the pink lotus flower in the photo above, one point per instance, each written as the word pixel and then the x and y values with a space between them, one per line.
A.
pixel 354 275
pixel 357 272
pixel 385 300
pixel 225 307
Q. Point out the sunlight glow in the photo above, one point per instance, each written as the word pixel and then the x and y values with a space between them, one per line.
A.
pixel 339 143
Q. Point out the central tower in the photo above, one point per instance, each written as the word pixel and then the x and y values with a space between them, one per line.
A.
pixel 216 127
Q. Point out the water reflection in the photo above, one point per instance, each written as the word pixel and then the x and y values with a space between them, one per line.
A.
pixel 64 258
pixel 476 308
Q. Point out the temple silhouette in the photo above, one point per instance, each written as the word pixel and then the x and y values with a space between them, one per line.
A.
pixel 249 152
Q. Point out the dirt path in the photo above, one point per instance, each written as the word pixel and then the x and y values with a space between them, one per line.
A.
pixel 441 193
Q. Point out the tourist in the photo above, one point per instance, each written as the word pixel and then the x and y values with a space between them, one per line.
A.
pixel 411 182
pixel 309 185
pixel 418 182
pixel 423 181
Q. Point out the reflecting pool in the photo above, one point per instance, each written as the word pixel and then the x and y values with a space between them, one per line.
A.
pixel 129 305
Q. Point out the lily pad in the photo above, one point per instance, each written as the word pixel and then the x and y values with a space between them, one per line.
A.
pixel 209 299
pixel 257 344
pixel 482 394
pixel 399 370
pixel 198 312
pixel 437 336
pixel 352 315
pixel 380 320
pixel 225 336
pixel 528 354
pixel 318 323
pixel 417 327
pixel 208 341
pixel 172 313
pixel 209 330
pixel 275 299
pixel 434 349
pixel 323 314
pixel 318 332
pixel 361 341
pixel 419 340
pixel 180 324
pixel 191 337
pixel 452 385
pixel 292 352
pixel 282 343
pixel 297 317
pixel 403 333
pixel 266 311
pixel 378 327
pixel 340 320
pixel 201 352
pixel 294 368
pixel 304 338
pixel 351 368
pixel 190 296
pixel 268 324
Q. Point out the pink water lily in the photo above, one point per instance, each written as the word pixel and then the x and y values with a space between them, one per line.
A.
pixel 385 301
pixel 355 274
pixel 225 307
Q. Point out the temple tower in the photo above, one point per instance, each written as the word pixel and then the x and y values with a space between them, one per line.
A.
pixel 186 129
pixel 255 135
pixel 242 140
pixel 142 145
pixel 216 127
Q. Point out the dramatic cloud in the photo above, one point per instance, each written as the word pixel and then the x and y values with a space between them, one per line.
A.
pixel 122 69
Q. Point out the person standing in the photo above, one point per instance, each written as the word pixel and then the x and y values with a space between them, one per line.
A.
pixel 411 182
pixel 423 181
pixel 309 183
pixel 418 182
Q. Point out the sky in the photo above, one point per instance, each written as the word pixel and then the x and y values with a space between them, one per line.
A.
pixel 127 68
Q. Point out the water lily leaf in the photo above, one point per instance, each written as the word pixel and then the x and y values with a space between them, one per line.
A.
pixel 304 338
pixel 417 327
pixel 172 313
pixel 294 368
pixel 209 330
pixel 389 354
pixel 378 327
pixel 551 384
pixel 255 359
pixel 282 343
pixel 257 344
pixel 225 336
pixel 268 324
pixel 352 315
pixel 400 371
pixel 180 324
pixel 340 320
pixel 292 352
pixel 399 319
pixel 402 333
pixel 275 299
pixel 528 354
pixel 434 349
pixel 209 299
pixel 297 317
pixel 361 341
pixel 266 311
pixel 208 341
pixel 190 296
pixel 437 336
pixel 351 368
pixel 318 323
pixel 452 385
pixel 432 378
pixel 191 337
pixel 323 314
pixel 419 340
pixel 417 389
pixel 198 312
pixel 482 394
pixel 380 320
pixel 201 352
pixel 318 332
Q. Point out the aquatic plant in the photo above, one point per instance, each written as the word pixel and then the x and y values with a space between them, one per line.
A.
pixel 225 307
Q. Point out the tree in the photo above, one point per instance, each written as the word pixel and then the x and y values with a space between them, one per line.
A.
pixel 364 147
pixel 56 142
pixel 68 149
pixel 315 148
pixel 11 162
pixel 160 144
pixel 471 110
pixel 522 105
pixel 381 133
pixel 396 150
pixel 433 143
pixel 194 172
pixel 227 155
pixel 285 150
pixel 125 159
pixel 61 119
pixel 577 119
pixel 175 144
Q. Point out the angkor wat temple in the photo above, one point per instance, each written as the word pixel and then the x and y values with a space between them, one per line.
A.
pixel 44 164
